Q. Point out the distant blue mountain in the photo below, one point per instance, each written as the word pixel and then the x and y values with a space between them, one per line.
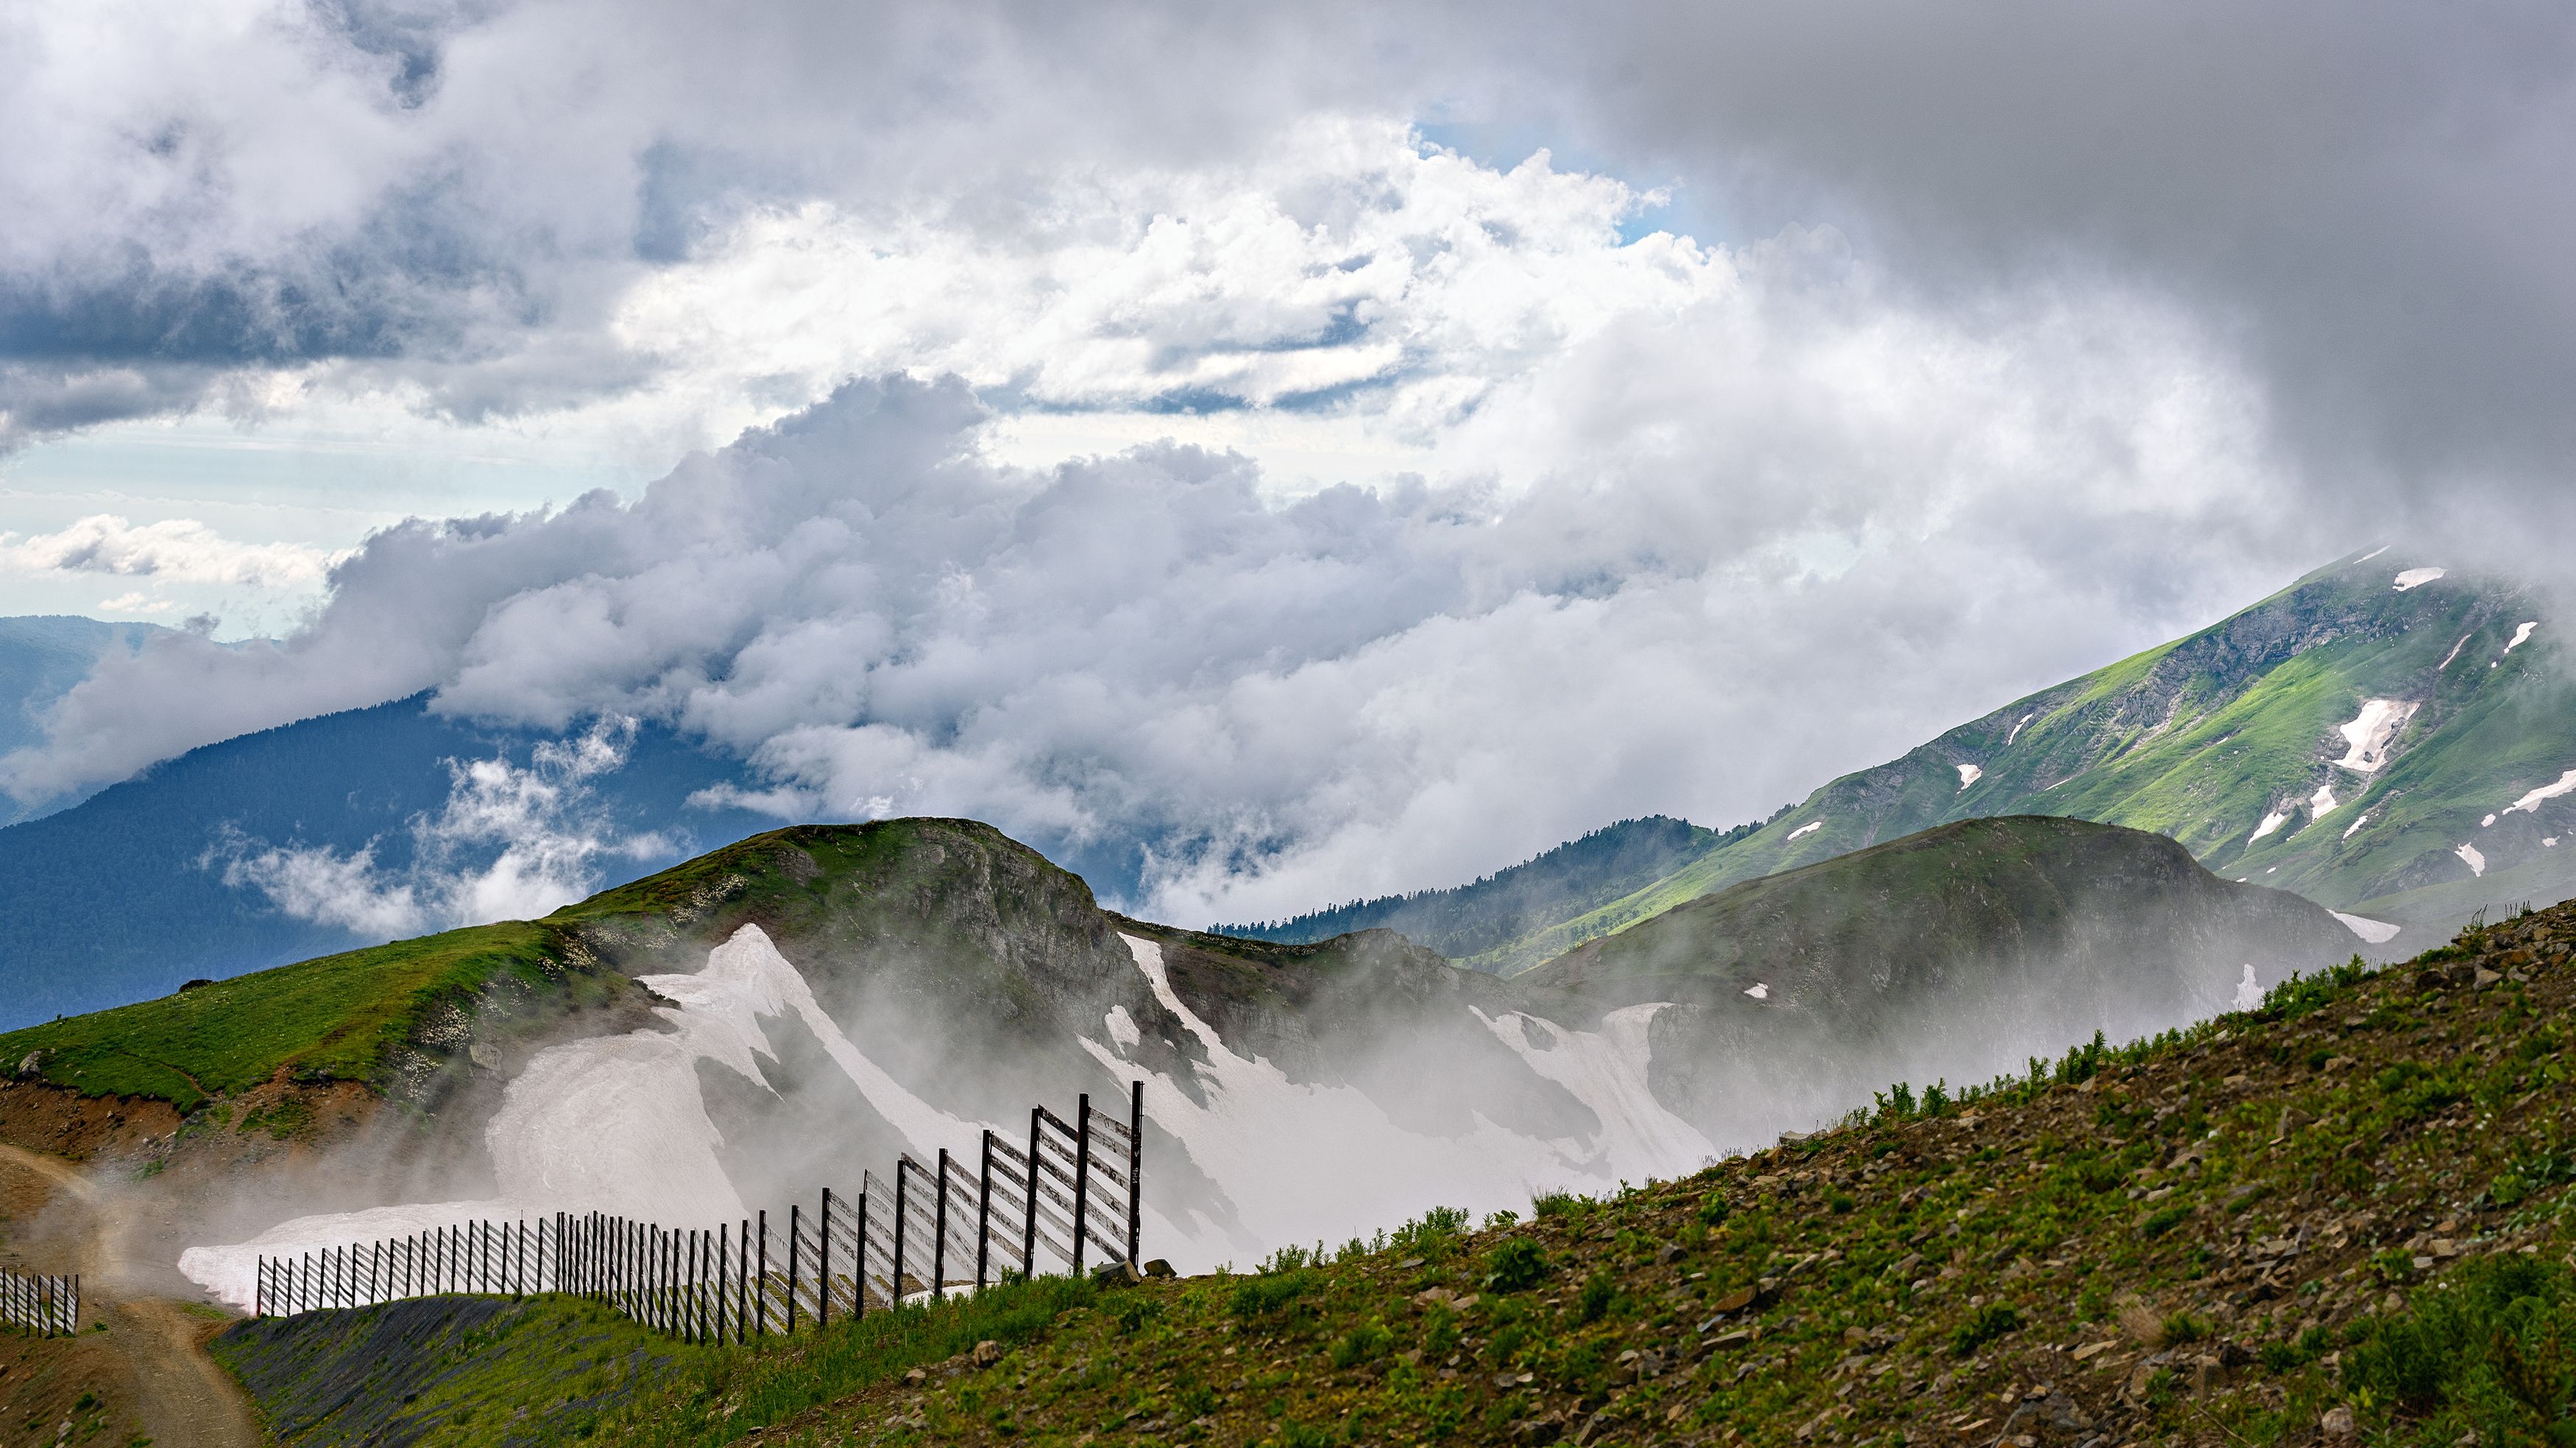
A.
pixel 41 657
pixel 123 897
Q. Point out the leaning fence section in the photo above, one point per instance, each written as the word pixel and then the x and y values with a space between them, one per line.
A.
pixel 47 1306
pixel 1068 1198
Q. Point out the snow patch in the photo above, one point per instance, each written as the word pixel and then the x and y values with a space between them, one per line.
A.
pixel 2550 843
pixel 2377 932
pixel 2373 553
pixel 1808 827
pixel 2249 991
pixel 2469 855
pixel 2490 819
pixel 2356 825
pixel 1122 1029
pixel 2530 803
pixel 1968 775
pixel 2321 803
pixel 1759 991
pixel 2271 822
pixel 2416 578
pixel 2370 732
pixel 2016 729
pixel 2520 634
pixel 2453 654
pixel 618 1124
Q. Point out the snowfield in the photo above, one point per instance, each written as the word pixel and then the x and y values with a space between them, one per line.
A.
pixel 2271 822
pixel 1808 827
pixel 2469 855
pixel 2530 803
pixel 2377 932
pixel 2369 733
pixel 2417 578
pixel 1968 775
pixel 2520 634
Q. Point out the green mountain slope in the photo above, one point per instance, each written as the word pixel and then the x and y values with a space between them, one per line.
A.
pixel 2207 738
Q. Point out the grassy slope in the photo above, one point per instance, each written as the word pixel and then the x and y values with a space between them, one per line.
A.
pixel 1972 894
pixel 335 1018
pixel 2336 1201
pixel 2200 738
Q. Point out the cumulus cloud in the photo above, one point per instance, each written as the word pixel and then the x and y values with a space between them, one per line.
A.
pixel 1225 702
pixel 178 549
pixel 510 843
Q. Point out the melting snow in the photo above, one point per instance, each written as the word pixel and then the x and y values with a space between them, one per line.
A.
pixel 2377 932
pixel 1268 1141
pixel 1122 1029
pixel 2355 825
pixel 2416 578
pixel 2520 634
pixel 2453 654
pixel 1803 829
pixel 2271 822
pixel 1968 775
pixel 2476 862
pixel 2321 803
pixel 2373 553
pixel 2016 729
pixel 618 1123
pixel 2249 991
pixel 2530 803
pixel 2371 731
pixel 2550 843
pixel 1759 991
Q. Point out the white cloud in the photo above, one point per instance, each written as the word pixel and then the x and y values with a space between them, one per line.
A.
pixel 510 843
pixel 177 549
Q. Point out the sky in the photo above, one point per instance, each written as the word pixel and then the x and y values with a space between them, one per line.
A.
pixel 1338 449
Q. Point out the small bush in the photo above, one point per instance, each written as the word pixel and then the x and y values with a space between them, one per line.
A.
pixel 1714 1210
pixel 2487 1350
pixel 1365 1343
pixel 1500 1217
pixel 1269 1292
pixel 2183 1327
pixel 2164 1221
pixel 1983 1326
pixel 1840 1204
pixel 1437 1229
pixel 1599 1291
pixel 1515 1266
pixel 1555 1204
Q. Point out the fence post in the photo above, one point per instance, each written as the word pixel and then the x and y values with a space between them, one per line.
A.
pixel 742 1285
pixel 984 1213
pixel 795 1246
pixel 823 1266
pixel 1029 1233
pixel 939 1248
pixel 1081 1180
pixel 1135 1164
pixel 901 1181
pixel 760 1292
pixel 859 1266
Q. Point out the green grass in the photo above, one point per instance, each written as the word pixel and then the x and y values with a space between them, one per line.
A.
pixel 332 1019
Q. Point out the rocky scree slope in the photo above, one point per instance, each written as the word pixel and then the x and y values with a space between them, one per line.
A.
pixel 2448 696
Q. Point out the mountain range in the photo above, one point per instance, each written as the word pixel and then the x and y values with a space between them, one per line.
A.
pixel 2385 737
pixel 748 1024
pixel 2389 738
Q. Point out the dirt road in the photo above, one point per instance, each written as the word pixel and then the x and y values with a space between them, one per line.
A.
pixel 183 1398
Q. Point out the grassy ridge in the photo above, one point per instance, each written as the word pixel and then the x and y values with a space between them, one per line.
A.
pixel 336 1018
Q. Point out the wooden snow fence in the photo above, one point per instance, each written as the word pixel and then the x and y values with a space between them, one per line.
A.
pixel 48 1306
pixel 1071 1196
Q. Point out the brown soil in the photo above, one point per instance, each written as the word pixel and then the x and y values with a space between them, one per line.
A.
pixel 148 1366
